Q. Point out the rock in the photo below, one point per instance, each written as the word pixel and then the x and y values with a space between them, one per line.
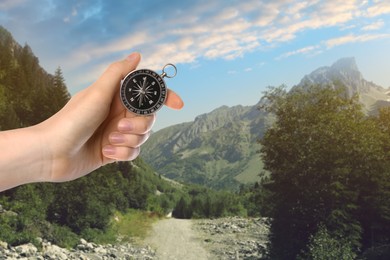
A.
pixel 55 252
pixel 235 238
pixel 100 250
pixel 3 245
pixel 84 251
pixel 26 250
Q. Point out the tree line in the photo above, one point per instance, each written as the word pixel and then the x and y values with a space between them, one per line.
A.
pixel 28 94
pixel 329 187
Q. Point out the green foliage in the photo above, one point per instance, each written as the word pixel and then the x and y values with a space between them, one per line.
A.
pixel 28 95
pixel 255 199
pixel 201 202
pixel 60 235
pixel 132 223
pixel 182 209
pixel 62 212
pixel 328 164
pixel 324 246
pixel 12 230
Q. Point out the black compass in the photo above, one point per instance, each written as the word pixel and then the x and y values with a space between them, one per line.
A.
pixel 144 91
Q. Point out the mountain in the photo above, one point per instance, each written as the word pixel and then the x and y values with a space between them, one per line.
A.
pixel 347 73
pixel 219 149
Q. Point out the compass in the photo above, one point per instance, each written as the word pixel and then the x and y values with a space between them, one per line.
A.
pixel 144 91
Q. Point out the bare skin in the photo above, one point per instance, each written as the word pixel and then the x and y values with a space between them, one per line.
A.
pixel 92 130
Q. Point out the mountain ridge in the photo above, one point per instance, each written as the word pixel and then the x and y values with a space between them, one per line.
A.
pixel 219 149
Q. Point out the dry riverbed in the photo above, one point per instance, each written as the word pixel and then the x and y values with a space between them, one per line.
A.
pixel 224 238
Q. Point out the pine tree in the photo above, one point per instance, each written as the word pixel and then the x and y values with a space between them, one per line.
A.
pixel 61 94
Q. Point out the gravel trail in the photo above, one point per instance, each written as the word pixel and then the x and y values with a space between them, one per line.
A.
pixel 175 239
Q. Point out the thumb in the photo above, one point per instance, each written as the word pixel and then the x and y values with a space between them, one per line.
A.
pixel 108 83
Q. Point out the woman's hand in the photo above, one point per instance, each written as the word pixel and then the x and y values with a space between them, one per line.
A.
pixel 93 129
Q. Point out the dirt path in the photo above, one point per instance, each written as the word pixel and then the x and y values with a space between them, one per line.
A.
pixel 174 239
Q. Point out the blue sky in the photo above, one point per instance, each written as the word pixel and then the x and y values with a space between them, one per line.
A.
pixel 227 52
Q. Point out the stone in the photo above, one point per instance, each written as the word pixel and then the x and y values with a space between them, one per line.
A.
pixel 235 238
pixel 26 250
pixel 3 245
pixel 55 252
pixel 100 250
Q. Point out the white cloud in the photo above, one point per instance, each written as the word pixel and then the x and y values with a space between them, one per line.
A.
pixel 211 32
pixel 305 50
pixel 374 26
pixel 351 38
pixel 378 8
pixel 331 43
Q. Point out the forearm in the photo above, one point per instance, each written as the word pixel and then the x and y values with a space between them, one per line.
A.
pixel 23 157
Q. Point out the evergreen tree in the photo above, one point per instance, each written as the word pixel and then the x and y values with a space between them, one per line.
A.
pixel 60 94
pixel 325 159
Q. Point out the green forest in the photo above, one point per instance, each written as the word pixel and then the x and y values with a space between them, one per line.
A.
pixel 329 183
pixel 326 190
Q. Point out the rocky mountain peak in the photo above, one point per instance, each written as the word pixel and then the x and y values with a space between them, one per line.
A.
pixel 346 65
pixel 345 72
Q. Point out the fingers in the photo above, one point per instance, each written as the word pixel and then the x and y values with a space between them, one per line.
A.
pixel 173 100
pixel 128 140
pixel 131 133
pixel 121 153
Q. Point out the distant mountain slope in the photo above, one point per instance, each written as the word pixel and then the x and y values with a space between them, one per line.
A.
pixel 346 72
pixel 218 149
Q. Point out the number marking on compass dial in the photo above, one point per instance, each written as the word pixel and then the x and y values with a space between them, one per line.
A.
pixel 143 92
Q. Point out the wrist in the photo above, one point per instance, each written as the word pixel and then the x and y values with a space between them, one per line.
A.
pixel 24 159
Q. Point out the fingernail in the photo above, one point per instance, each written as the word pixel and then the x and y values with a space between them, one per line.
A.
pixel 117 138
pixel 132 56
pixel 108 150
pixel 125 125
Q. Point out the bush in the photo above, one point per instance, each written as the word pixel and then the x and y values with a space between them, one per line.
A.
pixel 13 231
pixel 324 246
pixel 63 236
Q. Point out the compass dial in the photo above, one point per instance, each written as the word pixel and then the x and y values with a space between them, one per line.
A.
pixel 143 92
